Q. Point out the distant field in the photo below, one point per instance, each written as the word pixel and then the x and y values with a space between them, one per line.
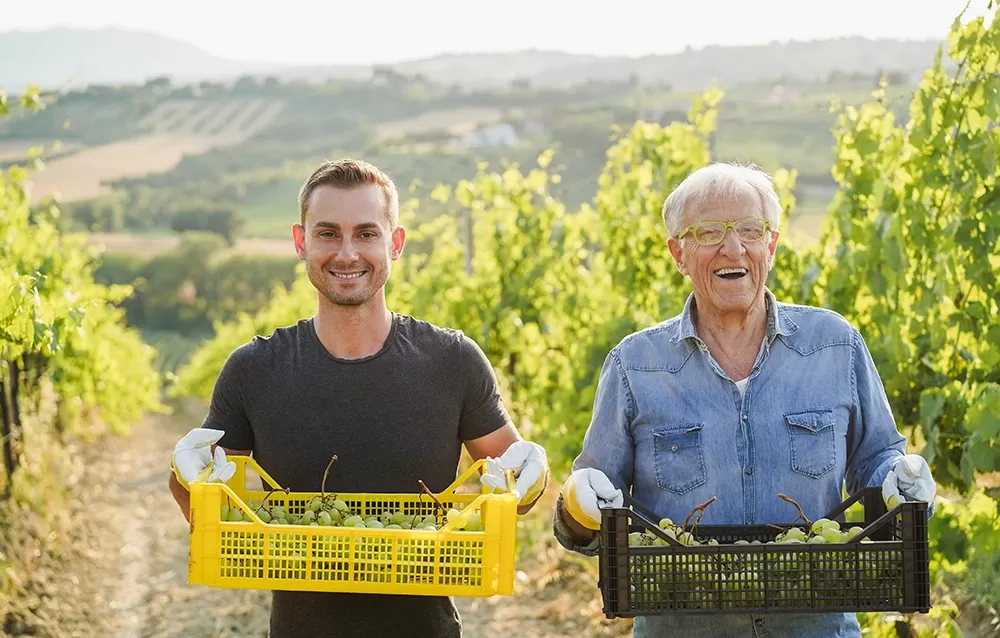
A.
pixel 456 121
pixel 155 245
pixel 270 210
pixel 14 150
pixel 177 128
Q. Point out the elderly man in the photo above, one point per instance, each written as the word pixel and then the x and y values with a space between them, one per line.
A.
pixel 739 397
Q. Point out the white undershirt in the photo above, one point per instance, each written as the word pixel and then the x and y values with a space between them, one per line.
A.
pixel 741 385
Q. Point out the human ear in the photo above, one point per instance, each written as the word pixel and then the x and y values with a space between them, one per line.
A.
pixel 299 240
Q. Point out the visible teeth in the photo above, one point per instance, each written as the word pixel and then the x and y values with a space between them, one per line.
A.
pixel 729 271
pixel 355 275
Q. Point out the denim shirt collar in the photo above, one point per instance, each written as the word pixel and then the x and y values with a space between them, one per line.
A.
pixel 778 321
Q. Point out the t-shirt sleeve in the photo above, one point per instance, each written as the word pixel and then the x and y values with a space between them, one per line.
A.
pixel 227 410
pixel 483 410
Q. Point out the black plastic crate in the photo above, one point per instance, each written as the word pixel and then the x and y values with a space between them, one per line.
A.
pixel 889 572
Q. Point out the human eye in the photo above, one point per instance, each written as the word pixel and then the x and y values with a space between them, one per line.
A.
pixel 750 230
pixel 710 233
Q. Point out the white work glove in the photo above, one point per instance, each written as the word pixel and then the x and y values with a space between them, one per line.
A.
pixel 529 463
pixel 909 479
pixel 585 492
pixel 193 455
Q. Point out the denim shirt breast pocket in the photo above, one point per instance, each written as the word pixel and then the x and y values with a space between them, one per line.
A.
pixel 813 441
pixel 678 457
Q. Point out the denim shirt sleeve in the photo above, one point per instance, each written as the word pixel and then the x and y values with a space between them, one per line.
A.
pixel 873 442
pixel 608 444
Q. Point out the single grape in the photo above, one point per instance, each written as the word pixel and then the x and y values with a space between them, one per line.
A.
pixel 475 522
pixel 832 535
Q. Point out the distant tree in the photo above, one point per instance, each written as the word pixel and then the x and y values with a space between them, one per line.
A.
pixel 246 84
pixel 222 219
pixel 158 86
pixel 101 214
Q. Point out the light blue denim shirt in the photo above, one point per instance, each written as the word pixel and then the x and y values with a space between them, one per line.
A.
pixel 670 427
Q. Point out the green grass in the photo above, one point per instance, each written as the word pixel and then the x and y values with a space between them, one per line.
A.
pixel 270 209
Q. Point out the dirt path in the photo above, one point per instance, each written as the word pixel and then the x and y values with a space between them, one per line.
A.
pixel 124 574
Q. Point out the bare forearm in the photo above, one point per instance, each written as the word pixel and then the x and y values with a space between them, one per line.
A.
pixel 181 495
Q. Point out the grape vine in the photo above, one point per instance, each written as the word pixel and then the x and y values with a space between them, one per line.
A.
pixel 59 330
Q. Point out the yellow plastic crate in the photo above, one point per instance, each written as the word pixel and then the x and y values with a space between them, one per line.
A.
pixel 259 555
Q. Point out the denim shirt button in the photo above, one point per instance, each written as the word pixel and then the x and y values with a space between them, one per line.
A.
pixel 748 471
pixel 674 448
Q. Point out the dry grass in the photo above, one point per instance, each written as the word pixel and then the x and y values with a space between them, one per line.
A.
pixel 455 121
pixel 178 128
pixel 151 246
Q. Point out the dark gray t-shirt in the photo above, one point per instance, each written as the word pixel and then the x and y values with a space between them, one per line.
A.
pixel 392 418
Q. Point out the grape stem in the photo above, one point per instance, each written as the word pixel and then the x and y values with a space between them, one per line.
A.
pixel 431 494
pixel 326 472
pixel 269 493
pixel 700 509
pixel 801 515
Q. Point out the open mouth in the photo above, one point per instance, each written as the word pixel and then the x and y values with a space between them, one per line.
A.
pixel 346 275
pixel 731 273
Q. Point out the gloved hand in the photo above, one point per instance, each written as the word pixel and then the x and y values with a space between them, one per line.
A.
pixel 193 458
pixel 910 479
pixel 529 463
pixel 585 492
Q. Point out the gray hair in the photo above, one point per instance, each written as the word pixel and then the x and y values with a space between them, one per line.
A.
pixel 725 180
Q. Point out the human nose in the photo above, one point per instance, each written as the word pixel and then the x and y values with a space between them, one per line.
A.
pixel 346 250
pixel 731 244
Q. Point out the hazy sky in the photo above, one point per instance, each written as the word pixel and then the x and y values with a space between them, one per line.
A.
pixel 297 31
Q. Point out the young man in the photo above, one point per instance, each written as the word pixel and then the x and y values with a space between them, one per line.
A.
pixel 395 398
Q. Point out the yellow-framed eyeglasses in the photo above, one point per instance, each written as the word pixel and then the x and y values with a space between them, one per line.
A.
pixel 749 230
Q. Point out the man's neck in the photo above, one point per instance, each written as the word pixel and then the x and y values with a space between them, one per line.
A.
pixel 734 331
pixel 353 332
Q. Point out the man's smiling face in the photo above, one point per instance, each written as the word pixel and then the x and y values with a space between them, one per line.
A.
pixel 347 243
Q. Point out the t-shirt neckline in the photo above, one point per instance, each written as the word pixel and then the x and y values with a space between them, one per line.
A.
pixel 389 340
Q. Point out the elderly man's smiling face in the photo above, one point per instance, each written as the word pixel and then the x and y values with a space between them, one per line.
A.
pixel 728 277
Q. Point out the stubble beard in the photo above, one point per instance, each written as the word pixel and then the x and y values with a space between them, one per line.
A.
pixel 321 280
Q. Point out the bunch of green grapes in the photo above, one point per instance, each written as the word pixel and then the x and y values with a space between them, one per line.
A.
pixel 822 530
pixel 330 511
pixel 670 529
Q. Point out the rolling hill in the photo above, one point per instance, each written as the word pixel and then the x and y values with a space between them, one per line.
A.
pixel 76 57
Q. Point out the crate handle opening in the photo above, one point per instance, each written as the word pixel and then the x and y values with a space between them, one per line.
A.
pixel 644 516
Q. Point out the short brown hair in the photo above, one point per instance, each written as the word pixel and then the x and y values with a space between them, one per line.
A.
pixel 350 173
